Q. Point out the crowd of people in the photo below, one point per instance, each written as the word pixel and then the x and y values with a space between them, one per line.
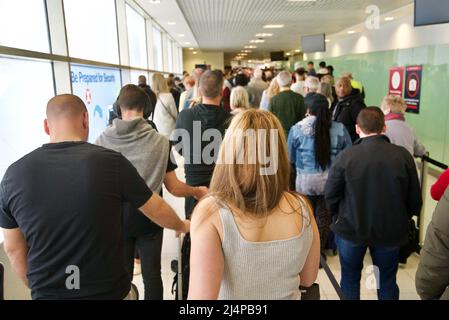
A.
pixel 344 176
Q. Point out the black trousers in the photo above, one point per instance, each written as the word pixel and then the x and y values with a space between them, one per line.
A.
pixel 323 218
pixel 149 249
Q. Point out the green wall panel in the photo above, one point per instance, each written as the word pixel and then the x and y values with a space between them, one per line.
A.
pixel 372 69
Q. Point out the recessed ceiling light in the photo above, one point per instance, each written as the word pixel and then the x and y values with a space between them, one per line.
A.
pixel 297 50
pixel 181 35
pixel 250 61
pixel 172 23
pixel 187 43
pixel 194 52
pixel 191 48
pixel 327 40
pixel 263 35
pixel 250 47
pixel 351 32
pixel 389 18
pixel 273 26
pixel 288 53
pixel 257 41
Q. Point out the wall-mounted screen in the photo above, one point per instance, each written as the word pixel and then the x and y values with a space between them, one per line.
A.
pixel 313 43
pixel 277 56
pixel 431 12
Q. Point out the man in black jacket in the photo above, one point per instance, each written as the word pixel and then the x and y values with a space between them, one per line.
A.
pixel 348 106
pixel 372 192
pixel 149 109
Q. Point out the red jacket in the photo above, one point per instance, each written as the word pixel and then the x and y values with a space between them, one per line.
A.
pixel 440 186
pixel 227 99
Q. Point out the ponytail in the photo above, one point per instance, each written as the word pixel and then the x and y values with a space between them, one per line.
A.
pixel 322 137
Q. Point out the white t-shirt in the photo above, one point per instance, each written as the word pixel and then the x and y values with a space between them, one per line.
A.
pixel 165 114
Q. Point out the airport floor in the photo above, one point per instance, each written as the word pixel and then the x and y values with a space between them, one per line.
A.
pixel 15 290
pixel 405 277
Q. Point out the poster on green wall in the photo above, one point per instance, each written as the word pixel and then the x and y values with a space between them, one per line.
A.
pixel 396 87
pixel 413 84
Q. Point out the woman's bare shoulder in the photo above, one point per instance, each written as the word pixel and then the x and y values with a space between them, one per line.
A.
pixel 206 211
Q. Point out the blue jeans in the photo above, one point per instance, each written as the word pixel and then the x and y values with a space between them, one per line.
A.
pixel 386 260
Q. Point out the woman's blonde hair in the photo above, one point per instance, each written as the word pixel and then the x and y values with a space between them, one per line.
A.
pixel 197 96
pixel 239 98
pixel 326 90
pixel 160 84
pixel 239 178
pixel 273 89
pixel 328 79
pixel 393 104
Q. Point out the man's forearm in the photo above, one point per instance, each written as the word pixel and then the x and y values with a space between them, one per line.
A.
pixel 19 264
pixel 162 214
pixel 178 188
pixel 183 190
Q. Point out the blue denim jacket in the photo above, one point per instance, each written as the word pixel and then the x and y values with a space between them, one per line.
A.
pixel 310 178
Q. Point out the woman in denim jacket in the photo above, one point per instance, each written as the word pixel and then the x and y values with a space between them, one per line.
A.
pixel 313 144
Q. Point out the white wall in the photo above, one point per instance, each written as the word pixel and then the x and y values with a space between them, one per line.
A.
pixel 397 34
pixel 213 58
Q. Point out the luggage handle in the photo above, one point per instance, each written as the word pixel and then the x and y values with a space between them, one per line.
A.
pixel 179 292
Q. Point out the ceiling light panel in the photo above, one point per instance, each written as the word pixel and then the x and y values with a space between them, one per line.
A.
pixel 227 25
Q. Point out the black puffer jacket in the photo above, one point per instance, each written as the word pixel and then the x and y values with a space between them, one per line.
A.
pixel 347 110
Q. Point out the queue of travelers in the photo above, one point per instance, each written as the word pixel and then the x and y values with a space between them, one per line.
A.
pixel 343 173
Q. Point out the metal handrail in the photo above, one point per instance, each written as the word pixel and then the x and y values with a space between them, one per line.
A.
pixel 436 163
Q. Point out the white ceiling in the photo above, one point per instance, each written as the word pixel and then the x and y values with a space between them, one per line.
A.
pixel 165 12
pixel 229 25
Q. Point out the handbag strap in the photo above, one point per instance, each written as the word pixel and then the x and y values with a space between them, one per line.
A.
pixel 165 108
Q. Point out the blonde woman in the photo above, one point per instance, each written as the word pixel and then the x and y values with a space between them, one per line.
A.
pixel 189 84
pixel 239 100
pixel 398 130
pixel 328 79
pixel 197 98
pixel 326 90
pixel 165 113
pixel 252 239
pixel 272 90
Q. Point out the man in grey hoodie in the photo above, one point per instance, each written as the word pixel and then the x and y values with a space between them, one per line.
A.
pixel 150 153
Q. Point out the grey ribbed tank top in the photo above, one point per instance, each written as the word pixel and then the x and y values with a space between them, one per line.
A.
pixel 262 270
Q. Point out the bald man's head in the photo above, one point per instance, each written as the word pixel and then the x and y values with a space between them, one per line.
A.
pixel 67 116
pixel 343 87
pixel 65 106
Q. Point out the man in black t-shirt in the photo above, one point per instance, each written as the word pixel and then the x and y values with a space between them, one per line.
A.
pixel 207 117
pixel 61 210
pixel 198 136
pixel 150 153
